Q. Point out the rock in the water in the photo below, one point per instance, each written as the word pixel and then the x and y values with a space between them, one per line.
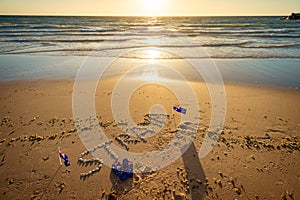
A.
pixel 293 16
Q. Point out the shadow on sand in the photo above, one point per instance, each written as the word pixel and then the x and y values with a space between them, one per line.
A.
pixel 50 181
pixel 194 171
pixel 192 167
pixel 118 186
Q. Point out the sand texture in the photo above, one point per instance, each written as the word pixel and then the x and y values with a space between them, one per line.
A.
pixel 256 156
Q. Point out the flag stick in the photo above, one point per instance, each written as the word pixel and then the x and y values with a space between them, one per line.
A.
pixel 174 122
pixel 174 118
pixel 59 157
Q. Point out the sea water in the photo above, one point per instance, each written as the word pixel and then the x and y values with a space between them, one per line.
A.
pixel 221 37
pixel 273 44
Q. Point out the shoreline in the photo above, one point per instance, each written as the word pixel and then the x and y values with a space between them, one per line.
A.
pixel 281 73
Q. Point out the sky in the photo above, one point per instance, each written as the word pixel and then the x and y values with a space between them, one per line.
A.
pixel 149 7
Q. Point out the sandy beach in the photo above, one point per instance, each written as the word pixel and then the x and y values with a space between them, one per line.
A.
pixel 162 100
pixel 256 156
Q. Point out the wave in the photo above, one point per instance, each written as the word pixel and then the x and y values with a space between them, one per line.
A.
pixel 14 35
pixel 267 46
pixel 242 33
pixel 129 42
pixel 91 34
pixel 57 30
pixel 99 53
pixel 65 40
pixel 222 30
pixel 228 25
pixel 220 35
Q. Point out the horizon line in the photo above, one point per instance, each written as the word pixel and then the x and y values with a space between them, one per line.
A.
pixel 79 15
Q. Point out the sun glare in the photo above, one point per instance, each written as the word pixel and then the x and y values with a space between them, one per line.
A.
pixel 153 7
pixel 152 53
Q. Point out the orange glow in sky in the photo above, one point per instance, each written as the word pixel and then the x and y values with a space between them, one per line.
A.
pixel 149 7
pixel 153 7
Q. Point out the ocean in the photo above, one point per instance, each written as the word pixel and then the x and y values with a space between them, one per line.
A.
pixel 252 50
pixel 218 37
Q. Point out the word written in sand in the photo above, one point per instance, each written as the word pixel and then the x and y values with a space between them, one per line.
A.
pixel 95 161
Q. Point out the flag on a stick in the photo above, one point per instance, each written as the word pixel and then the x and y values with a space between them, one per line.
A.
pixel 64 157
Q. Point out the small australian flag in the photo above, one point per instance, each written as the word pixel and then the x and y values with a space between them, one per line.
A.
pixel 179 109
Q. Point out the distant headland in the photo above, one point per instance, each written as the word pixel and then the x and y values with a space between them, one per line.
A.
pixel 293 16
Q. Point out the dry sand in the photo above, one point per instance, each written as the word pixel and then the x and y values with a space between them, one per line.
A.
pixel 256 157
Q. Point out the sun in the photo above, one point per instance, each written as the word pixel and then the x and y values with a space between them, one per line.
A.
pixel 153 7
